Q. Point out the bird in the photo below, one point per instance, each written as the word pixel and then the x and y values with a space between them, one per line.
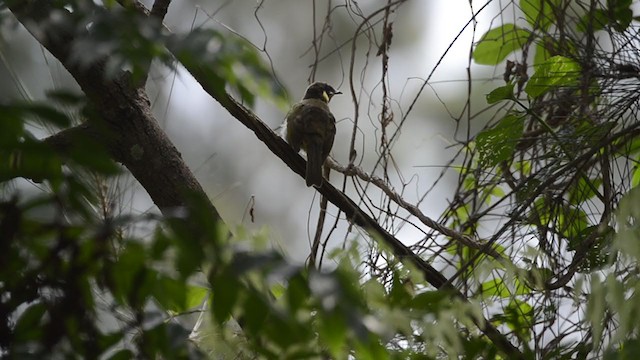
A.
pixel 312 127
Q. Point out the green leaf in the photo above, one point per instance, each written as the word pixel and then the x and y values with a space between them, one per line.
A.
pixel 429 301
pixel 617 15
pixel 124 354
pixel 47 113
pixel 496 192
pixel 572 221
pixel 195 296
pixel 170 293
pixel 496 44
pixel 297 292
pixel 28 327
pixel 127 276
pixel 369 349
pixel 11 126
pixel 32 160
pixel 224 296
pixel 501 93
pixel 91 156
pixel 109 340
pixel 66 97
pixel 398 296
pixel 495 288
pixel 257 318
pixel 519 316
pixel 595 21
pixel 497 144
pixel 628 350
pixel 555 72
pixel 623 19
pixel 598 252
pixel 27 110
pixel 628 218
pixel 527 190
pixel 476 348
pixel 596 307
pixel 583 190
pixel 333 331
pixel 539 13
pixel 635 176
pixel 521 288
pixel 622 13
pixel 231 61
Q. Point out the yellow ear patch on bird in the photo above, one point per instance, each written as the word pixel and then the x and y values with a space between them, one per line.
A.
pixel 311 127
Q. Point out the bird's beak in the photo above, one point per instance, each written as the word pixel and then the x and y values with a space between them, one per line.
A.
pixel 328 95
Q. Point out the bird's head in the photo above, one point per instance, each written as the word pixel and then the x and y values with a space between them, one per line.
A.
pixel 321 91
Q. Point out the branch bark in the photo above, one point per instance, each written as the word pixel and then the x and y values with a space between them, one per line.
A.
pixel 126 125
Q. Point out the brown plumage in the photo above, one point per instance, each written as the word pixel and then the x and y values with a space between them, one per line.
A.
pixel 312 127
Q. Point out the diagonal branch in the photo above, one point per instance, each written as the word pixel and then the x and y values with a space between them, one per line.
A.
pixel 280 148
pixel 463 239
pixel 159 9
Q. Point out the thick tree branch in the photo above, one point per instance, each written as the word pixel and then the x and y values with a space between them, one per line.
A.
pixel 126 124
pixel 65 140
pixel 160 8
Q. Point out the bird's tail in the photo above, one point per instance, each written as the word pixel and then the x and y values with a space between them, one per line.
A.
pixel 315 161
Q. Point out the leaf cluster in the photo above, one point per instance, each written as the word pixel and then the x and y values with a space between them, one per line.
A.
pixel 75 285
pixel 553 163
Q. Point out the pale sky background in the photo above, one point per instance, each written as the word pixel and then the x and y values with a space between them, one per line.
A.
pixel 233 166
pixel 422 33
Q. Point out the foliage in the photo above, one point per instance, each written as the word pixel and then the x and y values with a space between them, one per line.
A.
pixel 68 270
pixel 575 107
pixel 494 144
pixel 233 61
pixel 65 269
pixel 496 44
pixel 555 72
pixel 128 40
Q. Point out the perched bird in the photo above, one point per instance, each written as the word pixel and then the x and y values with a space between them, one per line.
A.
pixel 312 127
